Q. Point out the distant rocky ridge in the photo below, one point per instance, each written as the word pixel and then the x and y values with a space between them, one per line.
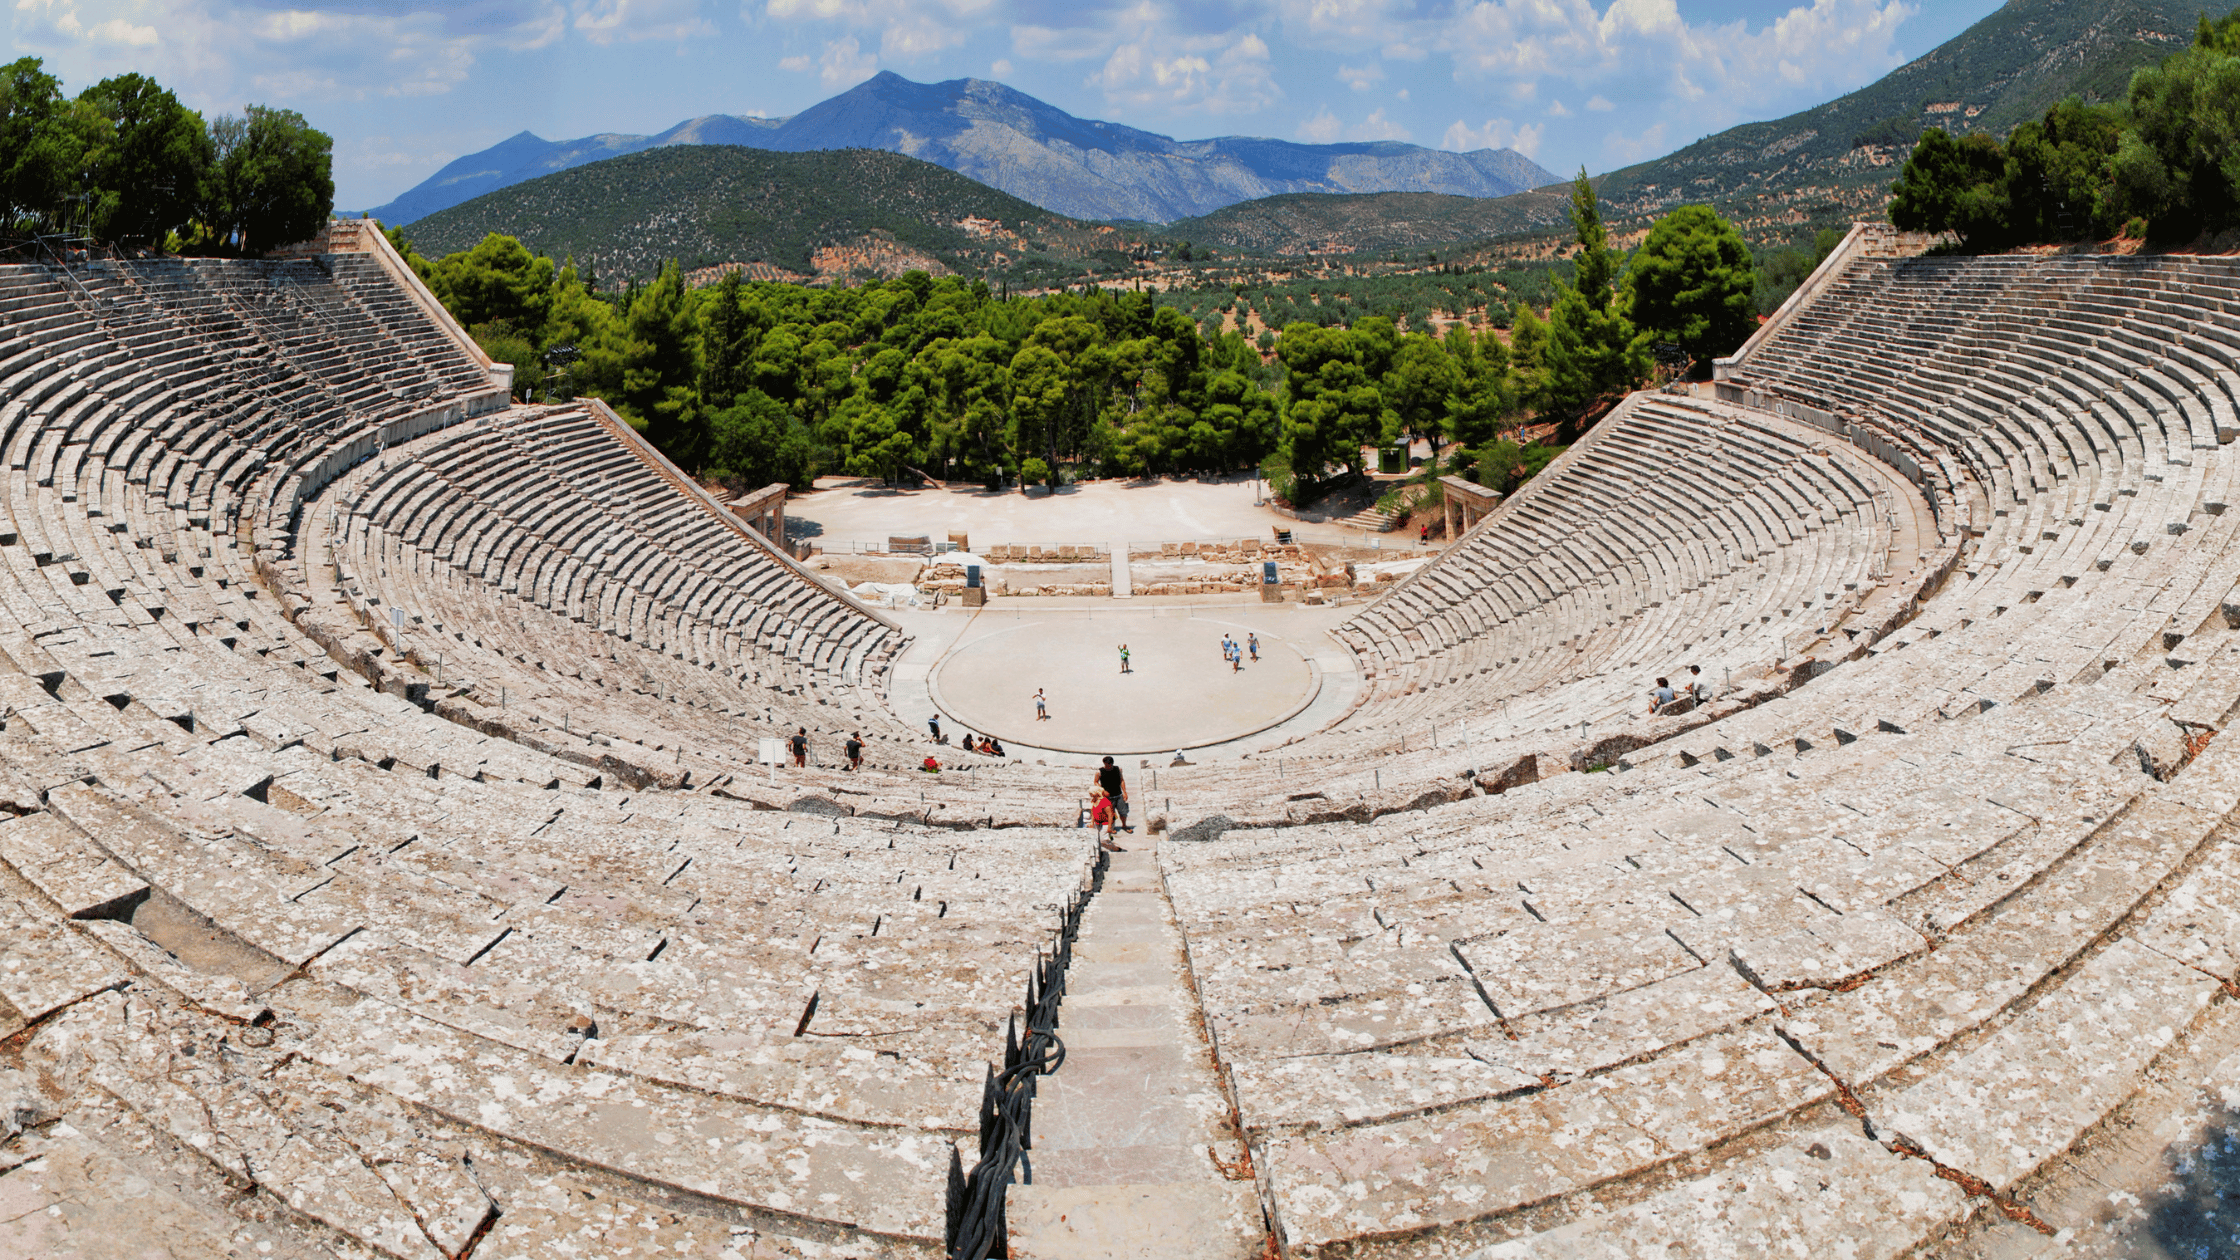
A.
pixel 1011 141
pixel 526 156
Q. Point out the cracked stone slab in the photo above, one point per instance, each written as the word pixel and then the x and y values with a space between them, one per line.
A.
pixel 44 964
pixel 1476 1160
pixel 1627 1025
pixel 2026 1094
pixel 2199 922
pixel 1316 1090
pixel 1828 950
pixel 57 860
pixel 1829 1194
pixel 879 1178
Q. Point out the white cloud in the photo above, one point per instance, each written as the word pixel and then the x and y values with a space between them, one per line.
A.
pixel 1001 68
pixel 799 65
pixel 1824 44
pixel 1360 78
pixel 1051 43
pixel 1633 148
pixel 908 30
pixel 1600 104
pixel 616 21
pixel 845 64
pixel 1323 128
pixel 1207 74
pixel 1378 127
pixel 220 54
pixel 119 31
pixel 1497 133
pixel 1557 109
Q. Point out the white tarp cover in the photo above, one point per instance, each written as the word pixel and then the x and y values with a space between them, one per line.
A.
pixel 887 594
pixel 961 559
pixel 1397 568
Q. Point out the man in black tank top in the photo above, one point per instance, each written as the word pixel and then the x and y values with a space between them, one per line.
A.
pixel 1115 785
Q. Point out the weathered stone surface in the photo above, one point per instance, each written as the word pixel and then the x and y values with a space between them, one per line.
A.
pixel 80 879
pixel 45 964
pixel 1332 1089
pixel 2199 923
pixel 1482 1158
pixel 1628 1025
pixel 881 1179
pixel 1828 951
pixel 1209 1221
pixel 2025 1094
pixel 1828 1192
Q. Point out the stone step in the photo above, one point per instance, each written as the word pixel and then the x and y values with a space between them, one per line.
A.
pixel 1198 1221
pixel 1122 586
pixel 1132 1135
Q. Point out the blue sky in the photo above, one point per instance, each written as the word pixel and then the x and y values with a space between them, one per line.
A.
pixel 406 85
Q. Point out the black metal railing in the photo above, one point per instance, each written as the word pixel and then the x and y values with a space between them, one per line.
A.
pixel 1007 1101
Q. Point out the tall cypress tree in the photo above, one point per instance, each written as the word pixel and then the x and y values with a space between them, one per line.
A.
pixel 1593 351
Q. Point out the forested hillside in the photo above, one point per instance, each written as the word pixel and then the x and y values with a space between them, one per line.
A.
pixel 1370 223
pixel 841 212
pixel 768 381
pixel 1835 161
pixel 2158 164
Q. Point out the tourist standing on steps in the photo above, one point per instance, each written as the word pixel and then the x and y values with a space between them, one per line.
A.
pixel 801 746
pixel 1041 706
pixel 855 750
pixel 1252 645
pixel 934 724
pixel 1115 785
pixel 1124 659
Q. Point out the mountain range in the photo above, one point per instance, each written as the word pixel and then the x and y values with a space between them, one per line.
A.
pixel 1010 141
pixel 779 216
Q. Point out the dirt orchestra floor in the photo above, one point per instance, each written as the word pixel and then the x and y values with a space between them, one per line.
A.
pixel 1180 693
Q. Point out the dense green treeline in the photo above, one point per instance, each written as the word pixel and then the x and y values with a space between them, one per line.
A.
pixel 775 382
pixel 125 163
pixel 2163 163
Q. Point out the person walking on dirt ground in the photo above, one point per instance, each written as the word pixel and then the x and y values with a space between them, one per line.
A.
pixel 800 743
pixel 855 750
pixel 1124 660
pixel 1041 706
pixel 1228 647
pixel 1252 645
pixel 1115 785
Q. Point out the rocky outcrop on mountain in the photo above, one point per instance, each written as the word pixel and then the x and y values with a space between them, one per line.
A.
pixel 1096 170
